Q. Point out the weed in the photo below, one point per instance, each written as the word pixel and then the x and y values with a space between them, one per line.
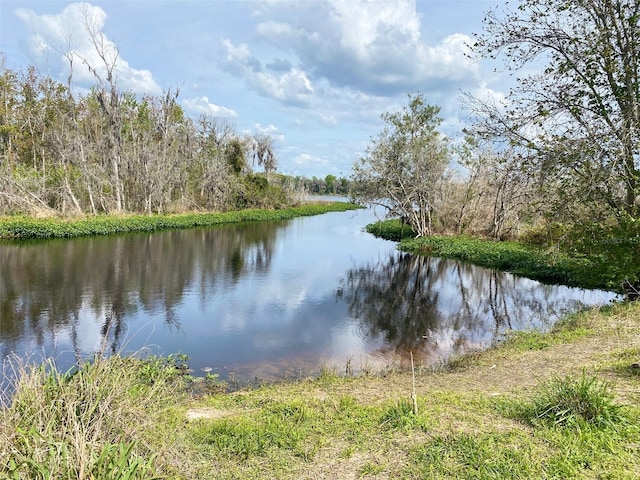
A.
pixel 572 401
pixel 370 468
pixel 400 416
pixel 84 423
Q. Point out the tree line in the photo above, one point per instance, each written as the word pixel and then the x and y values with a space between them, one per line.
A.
pixel 108 151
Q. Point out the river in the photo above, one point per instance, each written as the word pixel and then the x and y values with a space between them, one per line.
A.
pixel 261 301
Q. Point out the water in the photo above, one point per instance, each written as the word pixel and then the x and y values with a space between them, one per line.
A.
pixel 267 300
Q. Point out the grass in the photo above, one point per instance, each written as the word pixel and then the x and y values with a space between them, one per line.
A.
pixel 20 227
pixel 549 265
pixel 91 422
pixel 564 404
pixel 572 402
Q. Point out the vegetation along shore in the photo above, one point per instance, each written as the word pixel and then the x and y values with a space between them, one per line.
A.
pixel 23 227
pixel 543 182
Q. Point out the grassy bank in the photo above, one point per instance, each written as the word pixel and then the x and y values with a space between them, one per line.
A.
pixel 31 228
pixel 560 405
pixel 549 265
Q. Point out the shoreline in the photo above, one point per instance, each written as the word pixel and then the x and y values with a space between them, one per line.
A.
pixel 473 418
pixel 26 228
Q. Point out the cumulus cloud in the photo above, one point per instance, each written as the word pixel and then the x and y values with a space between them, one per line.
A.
pixel 201 105
pixel 76 34
pixel 290 86
pixel 270 130
pixel 308 161
pixel 328 119
pixel 372 46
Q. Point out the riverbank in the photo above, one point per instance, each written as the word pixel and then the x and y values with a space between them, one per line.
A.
pixel 546 264
pixel 560 405
pixel 21 228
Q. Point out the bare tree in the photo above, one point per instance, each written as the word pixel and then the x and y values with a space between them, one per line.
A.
pixel 108 98
pixel 578 119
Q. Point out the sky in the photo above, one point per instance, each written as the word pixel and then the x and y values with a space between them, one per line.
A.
pixel 315 75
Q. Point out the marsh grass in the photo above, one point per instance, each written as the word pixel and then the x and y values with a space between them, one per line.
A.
pixel 85 423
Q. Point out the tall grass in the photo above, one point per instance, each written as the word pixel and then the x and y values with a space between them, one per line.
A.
pixel 84 424
pixel 572 401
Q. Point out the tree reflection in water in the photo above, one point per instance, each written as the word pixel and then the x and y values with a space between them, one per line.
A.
pixel 47 287
pixel 259 297
pixel 435 307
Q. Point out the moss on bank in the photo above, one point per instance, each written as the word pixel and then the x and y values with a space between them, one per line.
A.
pixel 493 416
pixel 20 227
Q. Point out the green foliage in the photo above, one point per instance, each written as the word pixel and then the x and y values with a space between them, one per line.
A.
pixel 117 462
pixel 546 265
pixel 393 229
pixel 614 247
pixel 588 256
pixel 256 192
pixel 405 165
pixel 567 402
pixel 20 227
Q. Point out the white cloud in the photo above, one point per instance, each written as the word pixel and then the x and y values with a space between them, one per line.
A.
pixel 373 46
pixel 308 161
pixel 77 33
pixel 486 94
pixel 291 86
pixel 328 119
pixel 270 130
pixel 201 105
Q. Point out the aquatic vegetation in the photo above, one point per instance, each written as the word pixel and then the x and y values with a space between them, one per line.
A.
pixel 21 227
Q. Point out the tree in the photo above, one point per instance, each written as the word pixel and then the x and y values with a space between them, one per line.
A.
pixel 330 184
pixel 263 153
pixel 404 167
pixel 576 121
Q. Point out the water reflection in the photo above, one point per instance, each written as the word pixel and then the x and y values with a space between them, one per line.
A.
pixel 435 307
pixel 270 300
pixel 47 288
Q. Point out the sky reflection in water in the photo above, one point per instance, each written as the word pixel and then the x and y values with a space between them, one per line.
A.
pixel 265 300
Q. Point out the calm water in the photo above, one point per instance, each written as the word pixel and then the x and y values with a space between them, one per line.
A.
pixel 266 301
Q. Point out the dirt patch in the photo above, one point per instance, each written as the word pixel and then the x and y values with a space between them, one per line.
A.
pixel 207 413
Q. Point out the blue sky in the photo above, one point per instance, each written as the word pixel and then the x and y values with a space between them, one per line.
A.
pixel 313 74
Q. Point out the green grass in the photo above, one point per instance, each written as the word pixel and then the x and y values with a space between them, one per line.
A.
pixel 549 265
pixel 572 402
pixel 490 455
pixel 20 227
